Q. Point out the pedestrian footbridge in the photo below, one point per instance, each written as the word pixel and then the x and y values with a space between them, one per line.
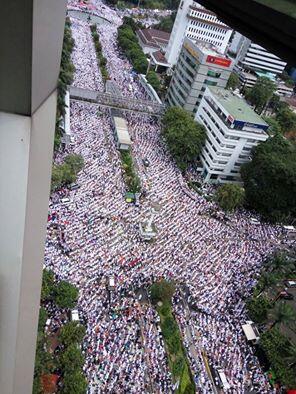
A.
pixel 119 102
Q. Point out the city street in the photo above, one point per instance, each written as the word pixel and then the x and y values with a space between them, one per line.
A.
pixel 217 261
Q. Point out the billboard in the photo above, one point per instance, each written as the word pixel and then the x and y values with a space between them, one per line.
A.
pixel 220 61
pixel 191 51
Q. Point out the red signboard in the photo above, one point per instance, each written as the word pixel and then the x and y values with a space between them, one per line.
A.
pixel 220 61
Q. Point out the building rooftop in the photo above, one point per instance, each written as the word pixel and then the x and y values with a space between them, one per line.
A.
pixel 237 107
pixel 209 49
pixel 122 130
pixel 159 58
pixel 153 37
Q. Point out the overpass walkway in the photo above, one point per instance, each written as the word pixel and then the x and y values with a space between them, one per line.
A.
pixel 119 102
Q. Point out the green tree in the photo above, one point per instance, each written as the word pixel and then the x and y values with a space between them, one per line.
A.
pixel 74 382
pixel 261 93
pixel 153 80
pixel 270 179
pixel 282 314
pixel 72 333
pixel 166 23
pixel 291 357
pixel 162 291
pixel 71 359
pixel 230 196
pixel 184 136
pixel 279 263
pixel 233 81
pixel 274 102
pixel 76 162
pixel 258 308
pixel 48 285
pixel 42 319
pixel 66 295
pixel 274 126
pixel 286 119
pixel 276 347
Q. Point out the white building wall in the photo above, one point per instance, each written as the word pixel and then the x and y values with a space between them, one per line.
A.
pixel 197 25
pixel 226 149
pixel 254 56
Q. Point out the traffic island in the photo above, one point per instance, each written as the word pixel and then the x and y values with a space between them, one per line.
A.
pixel 161 296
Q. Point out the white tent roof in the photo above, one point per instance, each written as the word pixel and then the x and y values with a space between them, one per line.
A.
pixel 122 130
pixel 249 332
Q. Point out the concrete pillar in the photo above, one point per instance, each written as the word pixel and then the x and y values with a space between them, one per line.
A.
pixel 32 32
pixel 26 145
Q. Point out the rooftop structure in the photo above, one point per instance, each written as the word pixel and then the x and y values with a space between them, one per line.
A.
pixel 122 135
pixel 152 39
pixel 237 107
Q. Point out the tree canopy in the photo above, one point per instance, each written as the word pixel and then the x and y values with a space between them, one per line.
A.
pixel 71 359
pixel 75 162
pixel 153 80
pixel 48 285
pixel 128 42
pixel 72 333
pixel 286 119
pixel 66 173
pixel 65 78
pixel 66 295
pixel 230 196
pixel 270 179
pixel 74 383
pixel 261 93
pixel 184 136
pixel 162 291
pixel 233 81
pixel 166 23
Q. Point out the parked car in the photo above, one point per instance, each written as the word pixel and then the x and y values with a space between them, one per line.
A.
pixel 74 186
pixel 290 283
pixel 286 296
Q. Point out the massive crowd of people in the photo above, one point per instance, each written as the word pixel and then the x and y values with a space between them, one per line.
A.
pixel 214 263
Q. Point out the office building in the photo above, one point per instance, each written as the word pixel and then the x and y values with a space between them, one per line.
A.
pixel 233 129
pixel 199 24
pixel 199 65
pixel 249 78
pixel 253 56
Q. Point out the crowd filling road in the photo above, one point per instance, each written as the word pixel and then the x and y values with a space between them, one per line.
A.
pixel 214 263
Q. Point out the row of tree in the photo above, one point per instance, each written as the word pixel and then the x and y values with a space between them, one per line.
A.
pixel 66 75
pixel 129 44
pixel 102 61
pixel 66 173
pixel 161 294
pixel 67 360
pixel 275 317
pixel 131 177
